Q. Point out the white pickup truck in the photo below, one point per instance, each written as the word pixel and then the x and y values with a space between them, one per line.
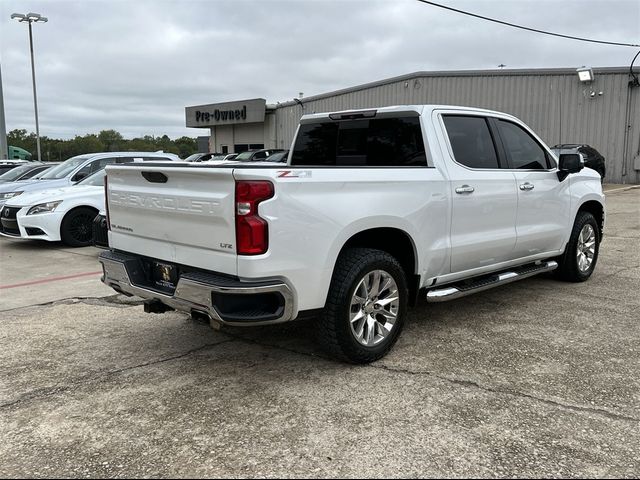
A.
pixel 373 208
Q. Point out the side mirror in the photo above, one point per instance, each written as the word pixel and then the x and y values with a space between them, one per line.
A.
pixel 569 163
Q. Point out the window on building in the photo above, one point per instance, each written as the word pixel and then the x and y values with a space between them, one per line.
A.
pixel 243 147
pixel 471 141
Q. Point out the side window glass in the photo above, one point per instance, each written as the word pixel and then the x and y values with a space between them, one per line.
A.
pixel 523 151
pixel 84 172
pixel 471 141
pixel 98 165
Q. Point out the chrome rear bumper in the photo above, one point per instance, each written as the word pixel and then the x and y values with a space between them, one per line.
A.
pixel 203 293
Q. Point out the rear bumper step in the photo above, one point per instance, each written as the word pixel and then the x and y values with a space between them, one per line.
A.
pixel 224 300
pixel 485 282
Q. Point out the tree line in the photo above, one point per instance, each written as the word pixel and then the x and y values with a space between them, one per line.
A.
pixel 106 141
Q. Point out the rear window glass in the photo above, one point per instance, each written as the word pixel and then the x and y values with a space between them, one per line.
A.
pixel 384 142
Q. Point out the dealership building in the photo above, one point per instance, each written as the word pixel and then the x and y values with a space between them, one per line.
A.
pixel 599 107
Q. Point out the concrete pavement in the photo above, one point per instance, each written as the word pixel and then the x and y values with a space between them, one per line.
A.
pixel 537 378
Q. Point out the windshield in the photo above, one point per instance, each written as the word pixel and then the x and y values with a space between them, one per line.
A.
pixel 244 156
pixel 95 180
pixel 65 168
pixel 193 158
pixel 278 157
pixel 15 173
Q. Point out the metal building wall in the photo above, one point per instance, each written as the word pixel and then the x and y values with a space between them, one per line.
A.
pixel 552 102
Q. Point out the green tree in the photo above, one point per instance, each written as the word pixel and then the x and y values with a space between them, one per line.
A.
pixel 111 140
pixel 186 146
pixel 89 143
pixel 107 140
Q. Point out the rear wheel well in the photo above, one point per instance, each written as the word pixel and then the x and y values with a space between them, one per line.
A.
pixel 88 207
pixel 597 210
pixel 396 243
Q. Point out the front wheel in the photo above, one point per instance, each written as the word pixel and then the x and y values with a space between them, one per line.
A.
pixel 580 258
pixel 366 306
pixel 76 229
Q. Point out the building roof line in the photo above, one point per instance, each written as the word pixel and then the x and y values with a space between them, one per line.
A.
pixel 457 73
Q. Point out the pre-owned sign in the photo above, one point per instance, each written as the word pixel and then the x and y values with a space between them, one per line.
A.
pixel 222 115
pixel 244 111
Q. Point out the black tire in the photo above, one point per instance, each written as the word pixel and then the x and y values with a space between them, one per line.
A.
pixel 76 229
pixel 334 326
pixel 568 268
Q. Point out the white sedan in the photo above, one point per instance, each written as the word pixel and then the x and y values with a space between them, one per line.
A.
pixel 57 214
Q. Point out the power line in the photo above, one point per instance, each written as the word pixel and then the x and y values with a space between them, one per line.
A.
pixel 527 28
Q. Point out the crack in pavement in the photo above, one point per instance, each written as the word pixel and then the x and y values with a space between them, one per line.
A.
pixel 466 383
pixel 617 272
pixel 107 301
pixel 620 236
pixel 473 384
pixel 99 377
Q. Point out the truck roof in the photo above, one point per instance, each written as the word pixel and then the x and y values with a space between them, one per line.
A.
pixel 395 109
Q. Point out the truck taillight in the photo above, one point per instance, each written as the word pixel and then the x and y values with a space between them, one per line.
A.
pixel 106 201
pixel 252 231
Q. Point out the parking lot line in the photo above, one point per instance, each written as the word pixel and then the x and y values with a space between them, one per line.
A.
pixel 49 279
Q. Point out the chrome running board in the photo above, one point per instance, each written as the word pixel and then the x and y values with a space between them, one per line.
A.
pixel 485 282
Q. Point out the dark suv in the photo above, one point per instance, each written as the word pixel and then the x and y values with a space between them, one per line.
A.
pixel 592 158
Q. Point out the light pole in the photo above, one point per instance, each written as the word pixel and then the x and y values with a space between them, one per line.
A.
pixel 4 148
pixel 31 18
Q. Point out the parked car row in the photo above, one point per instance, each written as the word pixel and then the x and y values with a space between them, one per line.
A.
pixel 261 155
pixel 62 202
pixel 7 165
pixel 25 171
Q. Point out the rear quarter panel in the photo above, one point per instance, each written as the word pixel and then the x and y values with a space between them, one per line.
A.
pixel 316 210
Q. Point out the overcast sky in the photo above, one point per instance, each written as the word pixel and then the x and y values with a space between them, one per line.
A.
pixel 134 65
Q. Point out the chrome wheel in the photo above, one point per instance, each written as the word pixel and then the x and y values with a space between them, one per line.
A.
pixel 374 308
pixel 586 248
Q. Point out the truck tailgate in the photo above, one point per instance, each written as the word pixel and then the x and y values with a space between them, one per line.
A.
pixel 179 214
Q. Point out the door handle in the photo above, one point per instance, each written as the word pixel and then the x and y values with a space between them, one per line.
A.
pixel 465 189
pixel 526 186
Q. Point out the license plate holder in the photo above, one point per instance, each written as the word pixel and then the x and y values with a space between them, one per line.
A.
pixel 165 276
